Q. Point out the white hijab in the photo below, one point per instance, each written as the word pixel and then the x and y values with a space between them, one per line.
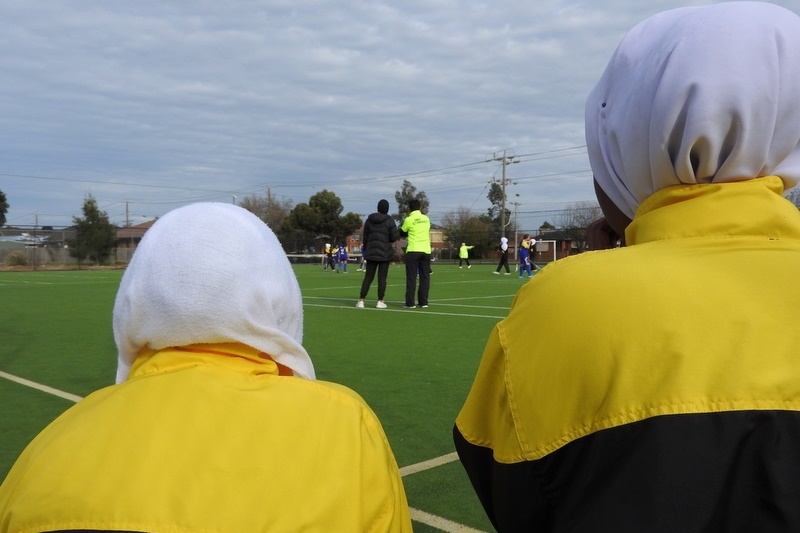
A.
pixel 698 95
pixel 210 273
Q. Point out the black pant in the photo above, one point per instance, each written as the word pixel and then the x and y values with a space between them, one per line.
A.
pixel 418 263
pixel 383 269
pixel 503 263
pixel 464 259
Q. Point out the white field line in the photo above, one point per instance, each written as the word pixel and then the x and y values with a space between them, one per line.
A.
pixel 40 387
pixel 430 463
pixel 420 516
pixel 399 309
pixel 440 523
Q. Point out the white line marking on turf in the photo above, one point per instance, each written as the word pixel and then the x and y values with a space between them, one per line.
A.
pixel 437 522
pixel 440 523
pixel 40 387
pixel 427 465
pixel 410 311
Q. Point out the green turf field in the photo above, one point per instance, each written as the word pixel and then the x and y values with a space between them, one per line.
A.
pixel 413 366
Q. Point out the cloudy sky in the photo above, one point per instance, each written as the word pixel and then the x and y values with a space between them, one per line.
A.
pixel 148 105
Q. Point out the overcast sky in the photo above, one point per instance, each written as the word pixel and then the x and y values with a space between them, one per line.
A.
pixel 149 105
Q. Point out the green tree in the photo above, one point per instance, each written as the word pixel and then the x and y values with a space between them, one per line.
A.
pixel 94 236
pixel 407 193
pixel 497 198
pixel 3 208
pixel 316 222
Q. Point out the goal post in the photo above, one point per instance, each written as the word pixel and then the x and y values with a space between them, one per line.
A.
pixel 545 251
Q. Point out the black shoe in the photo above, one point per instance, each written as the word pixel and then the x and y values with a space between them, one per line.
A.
pixel 408 306
pixel 424 306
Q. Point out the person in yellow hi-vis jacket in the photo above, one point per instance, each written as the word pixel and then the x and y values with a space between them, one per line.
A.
pixel 216 422
pixel 416 227
pixel 656 387
pixel 463 255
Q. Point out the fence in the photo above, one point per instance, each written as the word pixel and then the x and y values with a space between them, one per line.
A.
pixel 53 256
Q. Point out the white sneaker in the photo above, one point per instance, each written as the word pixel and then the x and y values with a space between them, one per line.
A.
pixel 360 304
pixel 469 266
pixel 496 272
pixel 380 305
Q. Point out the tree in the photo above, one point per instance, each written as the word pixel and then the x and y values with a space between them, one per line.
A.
pixel 407 193
pixel 497 198
pixel 318 221
pixel 272 211
pixel 576 218
pixel 94 236
pixel 3 208
pixel 462 226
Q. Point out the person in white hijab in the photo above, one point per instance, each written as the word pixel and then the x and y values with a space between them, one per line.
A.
pixel 697 95
pixel 216 422
pixel 225 279
pixel 503 256
pixel 656 387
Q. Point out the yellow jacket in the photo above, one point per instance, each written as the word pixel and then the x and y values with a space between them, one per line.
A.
pixel 209 439
pixel 418 229
pixel 659 386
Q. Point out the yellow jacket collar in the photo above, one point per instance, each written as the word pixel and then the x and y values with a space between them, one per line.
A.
pixel 754 207
pixel 233 356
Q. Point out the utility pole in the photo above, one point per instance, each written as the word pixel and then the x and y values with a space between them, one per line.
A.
pixel 35 244
pixel 516 205
pixel 268 213
pixel 504 160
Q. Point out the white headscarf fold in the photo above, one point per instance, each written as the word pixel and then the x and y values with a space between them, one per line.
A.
pixel 698 95
pixel 210 273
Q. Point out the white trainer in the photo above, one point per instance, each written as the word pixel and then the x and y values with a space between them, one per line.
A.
pixel 380 305
pixel 360 304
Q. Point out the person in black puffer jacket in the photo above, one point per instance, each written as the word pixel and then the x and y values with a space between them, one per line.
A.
pixel 380 231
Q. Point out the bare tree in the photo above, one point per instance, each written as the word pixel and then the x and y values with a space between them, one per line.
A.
pixel 463 226
pixel 269 209
pixel 574 220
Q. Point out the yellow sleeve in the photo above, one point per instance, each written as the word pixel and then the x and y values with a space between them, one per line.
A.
pixel 486 419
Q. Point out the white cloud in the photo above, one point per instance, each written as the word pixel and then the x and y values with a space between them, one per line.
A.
pixel 300 95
